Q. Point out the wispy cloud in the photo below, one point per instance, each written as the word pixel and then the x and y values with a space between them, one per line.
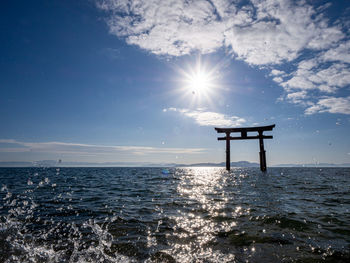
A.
pixel 209 118
pixel 276 72
pixel 315 78
pixel 297 97
pixel 331 105
pixel 338 53
pixel 268 33
pixel 89 149
pixel 310 75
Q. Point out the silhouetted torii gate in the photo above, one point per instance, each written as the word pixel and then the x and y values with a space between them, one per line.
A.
pixel 244 136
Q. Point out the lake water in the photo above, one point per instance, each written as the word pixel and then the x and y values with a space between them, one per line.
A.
pixel 174 215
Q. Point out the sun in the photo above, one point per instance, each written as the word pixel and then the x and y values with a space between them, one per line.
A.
pixel 199 82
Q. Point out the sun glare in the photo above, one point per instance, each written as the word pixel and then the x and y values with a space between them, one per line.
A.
pixel 199 83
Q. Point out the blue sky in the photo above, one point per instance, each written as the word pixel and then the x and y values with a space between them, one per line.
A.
pixel 147 81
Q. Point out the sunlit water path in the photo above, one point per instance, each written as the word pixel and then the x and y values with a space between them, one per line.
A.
pixel 174 215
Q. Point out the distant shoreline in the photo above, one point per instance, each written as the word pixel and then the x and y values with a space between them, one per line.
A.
pixel 242 164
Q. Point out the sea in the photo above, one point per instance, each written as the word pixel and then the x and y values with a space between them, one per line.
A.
pixel 192 214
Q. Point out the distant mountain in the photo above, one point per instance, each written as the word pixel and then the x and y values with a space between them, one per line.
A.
pixel 251 164
pixel 53 163
pixel 16 164
pixel 223 164
pixel 314 165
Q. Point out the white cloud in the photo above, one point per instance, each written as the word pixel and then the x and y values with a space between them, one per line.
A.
pixel 209 118
pixel 297 97
pixel 331 105
pixel 7 141
pixel 309 77
pixel 166 27
pixel 337 75
pixel 280 32
pixel 312 80
pixel 259 32
pixel 276 72
pixel 90 149
pixel 316 77
pixel 278 79
pixel 308 64
pixel 340 53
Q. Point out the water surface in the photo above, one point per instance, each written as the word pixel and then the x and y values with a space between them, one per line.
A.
pixel 174 215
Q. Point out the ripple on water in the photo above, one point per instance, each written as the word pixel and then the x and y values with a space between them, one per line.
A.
pixel 174 215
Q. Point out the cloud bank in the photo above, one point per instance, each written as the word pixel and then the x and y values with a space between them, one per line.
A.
pixel 89 149
pixel 273 34
pixel 259 32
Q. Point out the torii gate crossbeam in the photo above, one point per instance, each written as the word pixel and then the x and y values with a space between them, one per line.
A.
pixel 244 136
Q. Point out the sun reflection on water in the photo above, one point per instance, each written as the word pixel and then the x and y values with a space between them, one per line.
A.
pixel 206 215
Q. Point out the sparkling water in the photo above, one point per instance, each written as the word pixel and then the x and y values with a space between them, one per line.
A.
pixel 174 215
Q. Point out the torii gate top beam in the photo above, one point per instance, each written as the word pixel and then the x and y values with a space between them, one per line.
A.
pixel 246 129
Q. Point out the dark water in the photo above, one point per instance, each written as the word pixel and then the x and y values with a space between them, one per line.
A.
pixel 174 215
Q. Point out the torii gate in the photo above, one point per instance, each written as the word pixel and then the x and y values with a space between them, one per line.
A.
pixel 244 136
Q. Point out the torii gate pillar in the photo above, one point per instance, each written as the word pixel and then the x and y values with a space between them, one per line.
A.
pixel 228 152
pixel 244 136
pixel 262 153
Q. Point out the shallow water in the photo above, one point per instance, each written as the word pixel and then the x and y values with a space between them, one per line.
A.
pixel 174 215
